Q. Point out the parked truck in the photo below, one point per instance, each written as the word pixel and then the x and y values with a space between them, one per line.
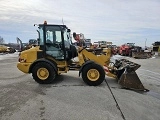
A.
pixel 131 50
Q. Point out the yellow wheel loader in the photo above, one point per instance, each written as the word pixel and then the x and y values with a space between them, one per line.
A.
pixel 54 55
pixel 6 49
pixel 3 48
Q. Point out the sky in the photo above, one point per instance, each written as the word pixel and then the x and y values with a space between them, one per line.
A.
pixel 116 21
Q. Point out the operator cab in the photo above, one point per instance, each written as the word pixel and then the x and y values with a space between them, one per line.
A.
pixel 55 41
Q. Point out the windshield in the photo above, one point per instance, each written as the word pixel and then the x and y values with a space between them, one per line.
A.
pixel 130 44
pixel 53 34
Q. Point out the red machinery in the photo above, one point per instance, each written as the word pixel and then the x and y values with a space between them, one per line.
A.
pixel 79 38
pixel 125 49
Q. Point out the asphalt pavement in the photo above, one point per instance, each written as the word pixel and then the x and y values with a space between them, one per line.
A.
pixel 69 98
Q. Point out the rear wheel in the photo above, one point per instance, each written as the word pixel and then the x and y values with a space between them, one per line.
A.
pixel 43 73
pixel 93 74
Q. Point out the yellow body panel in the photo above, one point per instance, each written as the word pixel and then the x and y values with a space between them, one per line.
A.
pixel 27 57
pixel 3 48
pixel 24 67
pixel 62 65
pixel 30 55
pixel 85 55
pixel 103 59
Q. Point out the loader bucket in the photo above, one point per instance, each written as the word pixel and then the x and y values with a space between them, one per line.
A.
pixel 127 77
pixel 131 80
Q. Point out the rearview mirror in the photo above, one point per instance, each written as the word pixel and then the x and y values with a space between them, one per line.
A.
pixel 68 30
pixel 74 34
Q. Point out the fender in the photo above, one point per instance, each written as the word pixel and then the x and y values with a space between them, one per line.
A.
pixel 52 63
pixel 86 63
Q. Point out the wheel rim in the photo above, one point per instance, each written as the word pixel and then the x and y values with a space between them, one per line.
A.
pixel 42 73
pixel 93 74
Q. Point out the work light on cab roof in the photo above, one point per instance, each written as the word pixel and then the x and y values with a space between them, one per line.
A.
pixel 45 22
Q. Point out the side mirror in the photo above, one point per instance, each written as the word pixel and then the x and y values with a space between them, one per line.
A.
pixel 68 30
pixel 74 35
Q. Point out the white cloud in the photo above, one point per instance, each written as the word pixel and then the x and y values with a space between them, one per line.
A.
pixel 117 20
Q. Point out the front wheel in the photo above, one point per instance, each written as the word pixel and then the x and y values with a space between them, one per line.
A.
pixel 43 73
pixel 93 74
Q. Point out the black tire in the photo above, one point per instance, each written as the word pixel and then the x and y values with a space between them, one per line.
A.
pixel 43 65
pixel 98 80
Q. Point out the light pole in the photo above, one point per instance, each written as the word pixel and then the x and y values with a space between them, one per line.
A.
pixel 145 43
